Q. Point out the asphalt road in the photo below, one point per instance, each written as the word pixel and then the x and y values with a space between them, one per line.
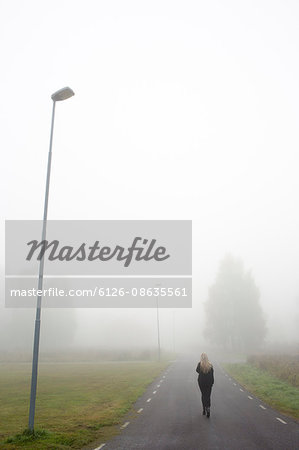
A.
pixel 172 418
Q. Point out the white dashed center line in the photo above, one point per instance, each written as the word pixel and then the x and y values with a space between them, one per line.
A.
pixel 101 446
pixel 280 420
pixel 139 410
pixel 125 425
pixel 148 400
pixel 235 384
pixel 154 392
pixel 158 385
pixel 261 406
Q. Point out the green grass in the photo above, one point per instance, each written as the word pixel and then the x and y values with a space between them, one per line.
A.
pixel 284 367
pixel 76 403
pixel 276 393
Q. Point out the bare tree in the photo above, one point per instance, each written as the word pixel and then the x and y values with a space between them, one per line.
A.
pixel 234 318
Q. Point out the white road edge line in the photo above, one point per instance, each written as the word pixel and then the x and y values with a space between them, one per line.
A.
pixel 250 398
pixel 139 410
pixel 101 446
pixel 125 425
pixel 261 406
pixel 280 420
pixel 148 400
pixel 235 384
pixel 154 392
pixel 241 390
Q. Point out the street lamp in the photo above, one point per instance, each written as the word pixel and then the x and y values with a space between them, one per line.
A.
pixel 173 332
pixel 158 329
pixel 62 94
pixel 158 323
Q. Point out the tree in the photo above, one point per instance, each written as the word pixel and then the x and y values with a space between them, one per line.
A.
pixel 234 316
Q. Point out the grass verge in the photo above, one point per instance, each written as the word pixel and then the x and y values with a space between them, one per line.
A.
pixel 284 367
pixel 276 393
pixel 76 403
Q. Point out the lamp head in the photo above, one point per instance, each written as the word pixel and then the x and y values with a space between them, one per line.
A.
pixel 62 94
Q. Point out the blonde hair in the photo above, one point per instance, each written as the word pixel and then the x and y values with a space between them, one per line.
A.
pixel 205 365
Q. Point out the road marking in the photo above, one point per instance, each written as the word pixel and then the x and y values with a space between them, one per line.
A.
pixel 101 446
pixel 226 374
pixel 148 400
pixel 235 384
pixel 161 381
pixel 230 379
pixel 158 385
pixel 280 420
pixel 241 390
pixel 163 376
pixel 250 398
pixel 261 406
pixel 139 410
pixel 125 425
pixel 154 392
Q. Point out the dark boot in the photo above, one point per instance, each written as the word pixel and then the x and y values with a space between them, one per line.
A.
pixel 208 411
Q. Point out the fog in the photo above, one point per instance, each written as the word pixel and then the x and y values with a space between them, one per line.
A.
pixel 182 110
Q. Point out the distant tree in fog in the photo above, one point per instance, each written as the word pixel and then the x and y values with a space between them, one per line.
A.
pixel 234 318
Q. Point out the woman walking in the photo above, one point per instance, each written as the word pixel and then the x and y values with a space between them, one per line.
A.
pixel 205 382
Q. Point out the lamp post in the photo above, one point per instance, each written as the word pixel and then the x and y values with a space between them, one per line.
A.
pixel 158 329
pixel 173 332
pixel 158 324
pixel 62 94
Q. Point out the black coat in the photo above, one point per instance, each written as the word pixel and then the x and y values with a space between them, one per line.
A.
pixel 205 379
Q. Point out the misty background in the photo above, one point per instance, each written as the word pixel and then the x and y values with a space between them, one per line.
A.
pixel 183 110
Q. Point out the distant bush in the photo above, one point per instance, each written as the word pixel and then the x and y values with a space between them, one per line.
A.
pixel 284 367
pixel 88 355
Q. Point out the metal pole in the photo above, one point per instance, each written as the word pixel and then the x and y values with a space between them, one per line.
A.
pixel 173 331
pixel 158 328
pixel 40 286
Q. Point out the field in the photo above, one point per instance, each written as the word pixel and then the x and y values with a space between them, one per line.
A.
pixel 76 403
pixel 279 394
pixel 284 367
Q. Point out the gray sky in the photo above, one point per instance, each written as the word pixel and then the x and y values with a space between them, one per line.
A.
pixel 183 109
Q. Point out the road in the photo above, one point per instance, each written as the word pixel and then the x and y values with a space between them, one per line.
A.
pixel 169 416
